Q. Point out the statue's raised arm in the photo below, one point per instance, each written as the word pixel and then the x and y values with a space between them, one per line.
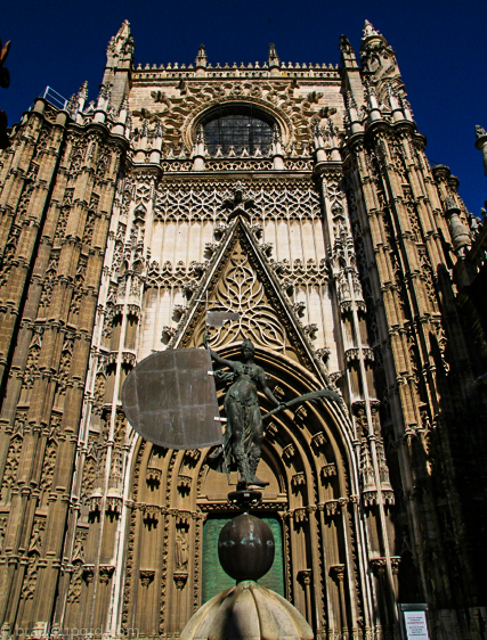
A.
pixel 221 361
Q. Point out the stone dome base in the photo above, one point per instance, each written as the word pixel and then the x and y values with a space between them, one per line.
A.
pixel 247 612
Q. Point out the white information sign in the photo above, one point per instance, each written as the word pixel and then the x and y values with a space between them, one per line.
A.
pixel 416 625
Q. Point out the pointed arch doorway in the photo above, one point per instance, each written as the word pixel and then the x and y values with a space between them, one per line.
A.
pixel 311 501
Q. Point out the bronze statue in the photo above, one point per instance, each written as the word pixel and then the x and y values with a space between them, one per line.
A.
pixel 186 418
pixel 245 431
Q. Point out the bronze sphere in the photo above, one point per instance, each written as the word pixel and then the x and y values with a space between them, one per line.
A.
pixel 246 548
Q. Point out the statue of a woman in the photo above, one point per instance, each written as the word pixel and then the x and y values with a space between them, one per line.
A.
pixel 244 432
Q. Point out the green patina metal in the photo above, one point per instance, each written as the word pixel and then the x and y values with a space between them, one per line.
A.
pixel 215 580
pixel 245 431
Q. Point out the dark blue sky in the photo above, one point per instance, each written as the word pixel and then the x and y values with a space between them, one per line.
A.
pixel 440 46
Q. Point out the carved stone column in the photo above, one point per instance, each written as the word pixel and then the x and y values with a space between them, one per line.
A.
pixel 337 572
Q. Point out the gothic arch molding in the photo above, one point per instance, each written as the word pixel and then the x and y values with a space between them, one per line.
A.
pixel 308 458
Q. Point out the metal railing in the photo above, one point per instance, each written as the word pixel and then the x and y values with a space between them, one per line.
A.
pixel 55 98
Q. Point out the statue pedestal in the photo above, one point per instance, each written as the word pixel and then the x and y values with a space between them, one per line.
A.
pixel 245 498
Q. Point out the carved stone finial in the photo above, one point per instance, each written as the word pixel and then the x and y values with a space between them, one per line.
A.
pixel 480 131
pixel 378 58
pixel 276 149
pixel 120 57
pixel 406 108
pixel 273 58
pixel 349 60
pixel 123 42
pixel 201 59
pixel 83 91
pixel 71 105
pixel 369 31
pixel 344 45
pixel 124 29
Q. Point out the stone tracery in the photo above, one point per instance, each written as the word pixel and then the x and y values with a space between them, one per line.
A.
pixel 139 226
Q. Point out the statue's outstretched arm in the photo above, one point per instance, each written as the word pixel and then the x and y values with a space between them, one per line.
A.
pixel 270 396
pixel 221 361
pixel 267 392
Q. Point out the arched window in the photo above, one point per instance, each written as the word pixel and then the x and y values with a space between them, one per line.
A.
pixel 238 129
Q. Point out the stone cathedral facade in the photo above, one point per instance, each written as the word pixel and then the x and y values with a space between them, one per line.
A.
pixel 299 197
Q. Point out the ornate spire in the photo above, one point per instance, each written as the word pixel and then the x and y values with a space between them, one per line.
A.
pixel 377 57
pixel 71 105
pixel 369 31
pixel 344 45
pixel 350 101
pixel 349 59
pixel 83 91
pixel 201 59
pixel 273 58
pixel 124 106
pixel 120 57
pixel 124 30
pixel 123 41
pixel 371 37
pixel 81 97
